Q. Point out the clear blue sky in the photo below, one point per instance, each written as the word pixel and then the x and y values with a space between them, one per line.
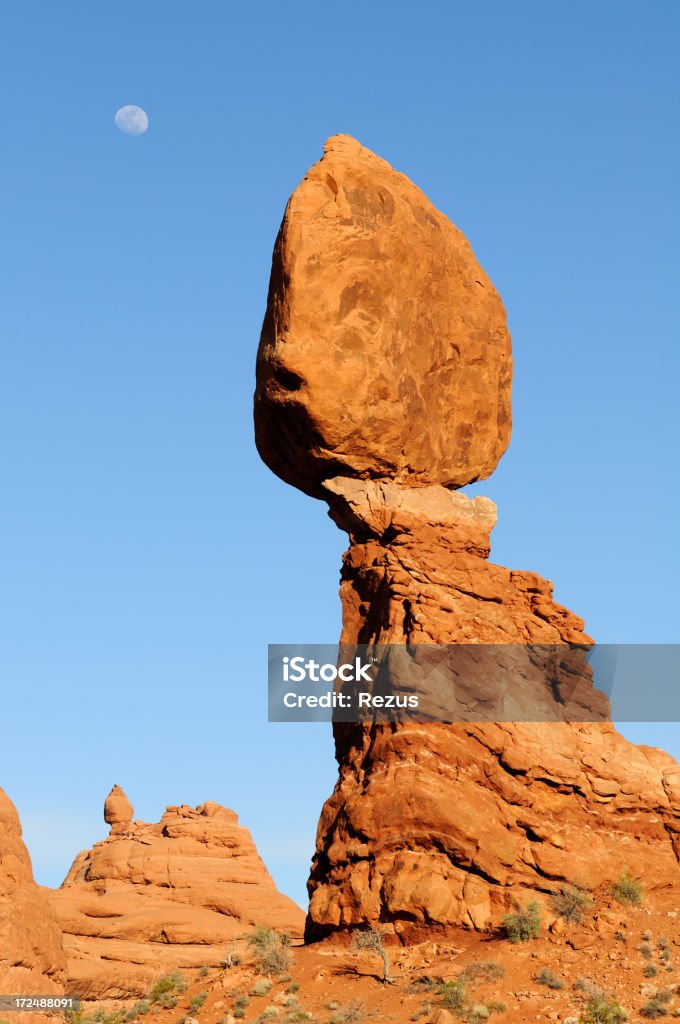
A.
pixel 147 556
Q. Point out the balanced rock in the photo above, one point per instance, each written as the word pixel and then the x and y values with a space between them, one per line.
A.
pixel 166 896
pixel 32 960
pixel 376 304
pixel 118 810
pixel 383 379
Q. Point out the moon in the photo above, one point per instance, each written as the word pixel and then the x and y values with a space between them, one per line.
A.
pixel 131 120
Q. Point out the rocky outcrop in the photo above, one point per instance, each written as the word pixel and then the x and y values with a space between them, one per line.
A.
pixel 382 383
pixel 345 344
pixel 32 960
pixel 118 810
pixel 431 825
pixel 156 897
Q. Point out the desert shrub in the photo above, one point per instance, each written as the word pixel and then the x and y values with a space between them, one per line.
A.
pixel 297 1016
pixel 374 939
pixel 524 924
pixel 196 1002
pixel 487 970
pixel 650 971
pixel 269 1012
pixel 232 959
pixel 293 987
pixel 139 1009
pixel 453 994
pixel 646 951
pixel 546 977
pixel 601 1010
pixel 571 903
pixel 240 1004
pixel 654 1009
pixel 477 1013
pixel 628 891
pixel 166 984
pixel 272 951
pixel 588 988
pixel 261 987
pixel 663 942
pixel 353 1013
pixel 204 972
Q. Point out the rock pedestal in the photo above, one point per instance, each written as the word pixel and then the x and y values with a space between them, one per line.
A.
pixel 434 826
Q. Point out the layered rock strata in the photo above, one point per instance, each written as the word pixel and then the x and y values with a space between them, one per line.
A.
pixel 383 380
pixel 157 897
pixel 433 826
pixel 32 960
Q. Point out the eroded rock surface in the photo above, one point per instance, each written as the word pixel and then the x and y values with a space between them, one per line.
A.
pixel 377 303
pixel 433 825
pixel 157 897
pixel 118 810
pixel 383 382
pixel 32 960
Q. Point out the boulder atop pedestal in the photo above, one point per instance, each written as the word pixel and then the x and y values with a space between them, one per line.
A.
pixel 153 898
pixel 118 810
pixel 384 349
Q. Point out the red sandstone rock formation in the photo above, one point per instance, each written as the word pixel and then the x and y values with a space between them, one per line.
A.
pixel 118 810
pixel 435 825
pixel 383 379
pixel 32 958
pixel 345 344
pixel 153 898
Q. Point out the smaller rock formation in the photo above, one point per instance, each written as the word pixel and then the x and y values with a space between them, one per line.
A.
pixel 153 898
pixel 118 810
pixel 32 960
